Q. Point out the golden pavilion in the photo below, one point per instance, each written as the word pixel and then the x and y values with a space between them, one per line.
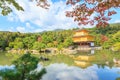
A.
pixel 83 38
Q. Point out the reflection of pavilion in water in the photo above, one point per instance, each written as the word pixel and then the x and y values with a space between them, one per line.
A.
pixel 84 61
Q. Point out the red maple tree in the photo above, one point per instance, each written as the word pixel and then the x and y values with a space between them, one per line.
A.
pixel 42 3
pixel 104 38
pixel 84 9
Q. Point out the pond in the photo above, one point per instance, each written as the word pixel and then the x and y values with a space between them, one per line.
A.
pixel 63 67
pixel 4 59
pixel 64 72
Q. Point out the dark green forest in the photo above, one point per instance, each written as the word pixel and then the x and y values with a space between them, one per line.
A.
pixel 107 37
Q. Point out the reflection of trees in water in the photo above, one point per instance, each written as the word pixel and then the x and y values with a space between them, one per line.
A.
pixel 104 65
pixel 105 57
pixel 65 72
pixel 117 78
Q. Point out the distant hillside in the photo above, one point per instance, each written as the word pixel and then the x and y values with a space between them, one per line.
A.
pixel 58 30
pixel 115 25
pixel 5 31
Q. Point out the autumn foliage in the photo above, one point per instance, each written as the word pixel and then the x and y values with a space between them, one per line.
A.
pixel 94 12
pixel 43 3
pixel 104 38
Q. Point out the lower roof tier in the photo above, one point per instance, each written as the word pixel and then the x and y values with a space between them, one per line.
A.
pixel 82 39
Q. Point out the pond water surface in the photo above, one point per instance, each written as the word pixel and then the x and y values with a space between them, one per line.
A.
pixel 64 72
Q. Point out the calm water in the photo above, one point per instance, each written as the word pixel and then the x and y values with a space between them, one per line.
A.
pixel 61 71
pixel 64 72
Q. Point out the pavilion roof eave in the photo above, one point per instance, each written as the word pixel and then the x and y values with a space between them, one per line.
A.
pixel 83 36
pixel 83 41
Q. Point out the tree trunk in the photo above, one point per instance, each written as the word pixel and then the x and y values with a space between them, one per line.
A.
pixel 23 75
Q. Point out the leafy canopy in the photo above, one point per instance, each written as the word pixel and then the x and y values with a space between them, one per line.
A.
pixel 24 69
pixel 100 10
pixel 5 6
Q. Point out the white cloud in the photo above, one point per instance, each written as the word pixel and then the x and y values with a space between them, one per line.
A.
pixel 38 30
pixel 21 29
pixel 29 26
pixel 64 72
pixel 117 21
pixel 49 19
pixel 11 29
pixel 12 17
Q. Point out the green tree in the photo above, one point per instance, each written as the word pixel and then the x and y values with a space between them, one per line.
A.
pixel 11 44
pixel 116 46
pixel 39 46
pixel 23 68
pixel 113 41
pixel 5 6
pixel 116 41
pixel 102 30
pixel 60 47
pixel 28 41
pixel 2 44
pixel 49 45
pixel 68 42
pixel 117 35
pixel 18 45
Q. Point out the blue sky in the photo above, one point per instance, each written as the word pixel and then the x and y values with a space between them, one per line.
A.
pixel 36 19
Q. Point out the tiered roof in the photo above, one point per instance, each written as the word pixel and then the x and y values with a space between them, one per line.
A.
pixel 82 35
